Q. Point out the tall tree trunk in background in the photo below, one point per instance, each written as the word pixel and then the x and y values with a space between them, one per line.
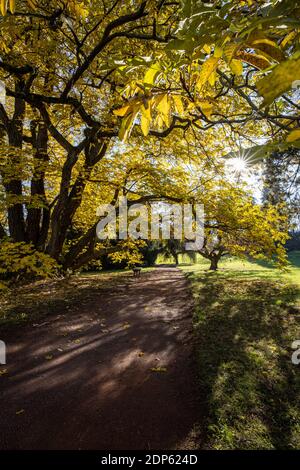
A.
pixel 13 186
pixel 214 260
pixel 2 232
pixel 38 215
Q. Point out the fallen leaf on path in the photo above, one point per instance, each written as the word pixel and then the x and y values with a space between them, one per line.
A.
pixel 76 341
pixel 158 369
pixel 126 325
pixel 3 371
pixel 141 354
pixel 40 324
pixel 49 357
pixel 19 412
pixel 105 331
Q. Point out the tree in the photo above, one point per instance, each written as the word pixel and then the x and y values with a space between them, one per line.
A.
pixel 236 225
pixel 215 58
pixel 213 250
pixel 281 183
pixel 80 78
pixel 57 124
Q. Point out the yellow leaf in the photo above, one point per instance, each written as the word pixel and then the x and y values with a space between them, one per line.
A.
pixel 206 48
pixel 230 49
pixel 218 51
pixel 78 8
pixel 158 369
pixel 206 107
pixel 294 135
pixel 163 105
pixel 151 74
pixel 207 69
pixel 19 412
pixel 164 108
pixel 212 78
pixel 12 6
pixel 32 4
pixel 127 125
pixel 236 66
pixel 145 124
pixel 178 104
pixel 3 7
pixel 159 122
pixel 122 111
pixel 288 38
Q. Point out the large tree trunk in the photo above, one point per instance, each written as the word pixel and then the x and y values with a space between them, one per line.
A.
pixel 69 202
pixel 175 256
pixel 2 232
pixel 214 260
pixel 13 187
pixel 38 196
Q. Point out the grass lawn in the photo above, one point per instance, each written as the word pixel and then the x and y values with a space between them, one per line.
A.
pixel 246 317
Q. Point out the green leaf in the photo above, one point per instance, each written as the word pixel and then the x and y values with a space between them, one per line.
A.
pixel 186 45
pixel 279 80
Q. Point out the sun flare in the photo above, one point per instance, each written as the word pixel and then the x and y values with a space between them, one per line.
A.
pixel 238 164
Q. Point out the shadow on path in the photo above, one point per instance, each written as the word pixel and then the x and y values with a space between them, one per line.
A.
pixel 84 379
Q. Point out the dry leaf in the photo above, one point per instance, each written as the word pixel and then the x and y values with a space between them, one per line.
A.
pixel 158 369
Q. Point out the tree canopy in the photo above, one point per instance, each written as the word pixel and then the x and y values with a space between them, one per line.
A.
pixel 135 98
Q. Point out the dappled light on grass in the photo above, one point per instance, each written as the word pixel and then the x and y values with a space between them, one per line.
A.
pixel 245 322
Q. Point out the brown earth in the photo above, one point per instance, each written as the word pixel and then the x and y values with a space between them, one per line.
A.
pixel 116 372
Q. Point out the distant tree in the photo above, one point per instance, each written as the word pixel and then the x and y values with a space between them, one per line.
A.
pixel 282 183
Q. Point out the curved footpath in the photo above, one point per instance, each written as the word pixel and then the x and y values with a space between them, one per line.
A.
pixel 114 374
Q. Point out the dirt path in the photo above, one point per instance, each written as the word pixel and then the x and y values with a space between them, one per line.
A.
pixel 84 379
